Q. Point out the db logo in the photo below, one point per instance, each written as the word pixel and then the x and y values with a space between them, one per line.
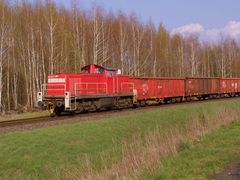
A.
pixel 145 88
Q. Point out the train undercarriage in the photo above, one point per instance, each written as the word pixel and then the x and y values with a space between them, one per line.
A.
pixel 58 106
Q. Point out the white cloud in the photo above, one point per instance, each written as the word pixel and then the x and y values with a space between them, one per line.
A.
pixel 188 29
pixel 231 29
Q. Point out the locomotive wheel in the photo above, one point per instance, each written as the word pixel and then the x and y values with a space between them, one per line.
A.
pixel 58 110
pixel 181 99
pixel 80 108
pixel 58 113
pixel 166 101
pixel 143 103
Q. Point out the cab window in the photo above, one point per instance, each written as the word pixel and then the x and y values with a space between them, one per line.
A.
pixel 86 71
pixel 99 70
pixel 111 73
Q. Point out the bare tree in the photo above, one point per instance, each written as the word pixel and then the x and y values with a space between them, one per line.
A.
pixel 51 22
pixel 40 38
pixel 4 28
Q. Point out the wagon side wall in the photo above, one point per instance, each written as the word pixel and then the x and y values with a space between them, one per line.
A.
pixel 202 86
pixel 158 88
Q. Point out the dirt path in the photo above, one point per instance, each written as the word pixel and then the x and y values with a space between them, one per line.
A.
pixel 231 172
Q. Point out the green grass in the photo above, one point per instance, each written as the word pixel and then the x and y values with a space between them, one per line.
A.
pixel 43 153
pixel 201 159
pixel 27 115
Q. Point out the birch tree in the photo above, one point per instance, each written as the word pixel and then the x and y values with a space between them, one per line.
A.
pixel 4 28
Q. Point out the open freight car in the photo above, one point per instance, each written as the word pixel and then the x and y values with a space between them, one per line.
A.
pixel 152 90
pixel 202 88
pixel 230 86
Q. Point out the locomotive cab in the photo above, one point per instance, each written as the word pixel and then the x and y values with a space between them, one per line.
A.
pixel 96 69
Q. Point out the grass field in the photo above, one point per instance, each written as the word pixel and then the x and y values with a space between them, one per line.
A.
pixel 127 146
pixel 27 115
pixel 201 159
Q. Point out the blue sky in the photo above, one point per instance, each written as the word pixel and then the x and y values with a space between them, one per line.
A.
pixel 206 17
pixel 175 13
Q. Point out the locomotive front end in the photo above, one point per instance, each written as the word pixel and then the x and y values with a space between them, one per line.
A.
pixel 53 95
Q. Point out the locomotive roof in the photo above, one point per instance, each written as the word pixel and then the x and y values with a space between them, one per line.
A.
pixel 104 67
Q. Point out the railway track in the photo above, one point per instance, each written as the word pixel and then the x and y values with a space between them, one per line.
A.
pixel 15 125
pixel 24 121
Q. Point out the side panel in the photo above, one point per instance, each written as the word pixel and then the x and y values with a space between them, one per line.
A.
pixel 227 85
pixel 235 86
pixel 223 86
pixel 110 84
pixel 214 86
pixel 124 85
pixel 201 86
pixel 72 82
pixel 56 85
pixel 165 86
pixel 238 85
pixel 175 88
pixel 159 88
pixel 89 84
pixel 218 85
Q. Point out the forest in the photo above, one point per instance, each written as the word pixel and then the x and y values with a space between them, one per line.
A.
pixel 45 38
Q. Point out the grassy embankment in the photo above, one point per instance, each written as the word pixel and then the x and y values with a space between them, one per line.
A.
pixel 127 146
pixel 201 159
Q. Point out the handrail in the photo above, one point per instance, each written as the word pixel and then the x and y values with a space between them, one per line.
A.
pixel 45 88
pixel 97 88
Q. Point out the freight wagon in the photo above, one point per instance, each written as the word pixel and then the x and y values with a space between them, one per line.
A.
pixel 202 87
pixel 151 90
pixel 229 86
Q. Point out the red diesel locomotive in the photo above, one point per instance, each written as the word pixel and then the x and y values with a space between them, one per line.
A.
pixel 98 87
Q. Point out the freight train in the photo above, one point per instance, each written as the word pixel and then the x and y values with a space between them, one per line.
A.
pixel 98 87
